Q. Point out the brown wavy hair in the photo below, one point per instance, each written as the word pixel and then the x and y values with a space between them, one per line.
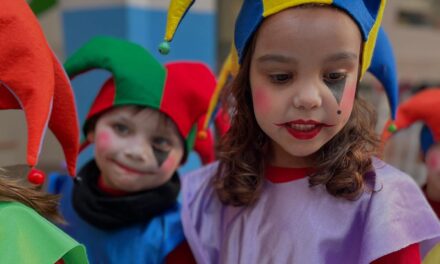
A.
pixel 14 187
pixel 340 164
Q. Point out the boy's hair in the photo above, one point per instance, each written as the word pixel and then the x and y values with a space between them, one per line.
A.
pixel 15 188
pixel 340 164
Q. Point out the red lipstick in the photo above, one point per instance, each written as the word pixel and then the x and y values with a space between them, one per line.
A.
pixel 303 129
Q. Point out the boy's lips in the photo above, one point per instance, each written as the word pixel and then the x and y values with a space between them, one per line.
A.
pixel 130 169
pixel 303 129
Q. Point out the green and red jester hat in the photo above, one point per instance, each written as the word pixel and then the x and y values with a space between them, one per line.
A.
pixel 180 90
pixel 32 79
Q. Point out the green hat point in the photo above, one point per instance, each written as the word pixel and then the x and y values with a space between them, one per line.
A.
pixel 164 48
pixel 392 128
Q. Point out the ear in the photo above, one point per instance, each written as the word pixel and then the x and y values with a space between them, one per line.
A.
pixel 91 136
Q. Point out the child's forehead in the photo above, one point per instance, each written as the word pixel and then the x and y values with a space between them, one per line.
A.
pixel 141 114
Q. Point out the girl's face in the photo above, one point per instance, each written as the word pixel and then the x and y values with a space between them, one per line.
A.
pixel 303 76
pixel 136 149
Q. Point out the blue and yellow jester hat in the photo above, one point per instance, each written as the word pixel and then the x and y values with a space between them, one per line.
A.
pixel 377 58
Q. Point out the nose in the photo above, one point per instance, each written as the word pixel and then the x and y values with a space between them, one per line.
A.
pixel 306 96
pixel 139 150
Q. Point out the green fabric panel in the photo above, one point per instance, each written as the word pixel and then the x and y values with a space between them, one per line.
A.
pixel 41 6
pixel 139 77
pixel 191 139
pixel 27 237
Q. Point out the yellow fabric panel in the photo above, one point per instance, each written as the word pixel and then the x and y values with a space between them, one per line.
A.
pixel 433 256
pixel 371 40
pixel 274 6
pixel 175 13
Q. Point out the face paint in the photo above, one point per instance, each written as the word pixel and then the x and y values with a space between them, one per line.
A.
pixel 337 88
pixel 169 164
pixel 103 140
pixel 260 100
pixel 160 156
pixel 347 100
pixel 433 159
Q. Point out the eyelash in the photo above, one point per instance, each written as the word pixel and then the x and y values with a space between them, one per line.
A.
pixel 341 77
pixel 121 129
pixel 157 144
pixel 274 78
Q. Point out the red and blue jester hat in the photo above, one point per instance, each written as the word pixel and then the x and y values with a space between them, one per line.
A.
pixel 377 55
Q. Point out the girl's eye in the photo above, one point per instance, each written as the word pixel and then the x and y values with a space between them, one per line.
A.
pixel 280 78
pixel 334 77
pixel 162 144
pixel 121 129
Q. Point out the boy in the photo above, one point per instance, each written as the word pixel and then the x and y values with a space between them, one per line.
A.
pixel 123 204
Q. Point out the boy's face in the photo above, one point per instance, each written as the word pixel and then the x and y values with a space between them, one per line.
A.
pixel 136 149
pixel 304 73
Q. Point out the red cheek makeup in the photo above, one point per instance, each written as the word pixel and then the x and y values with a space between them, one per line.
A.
pixel 347 100
pixel 261 101
pixel 103 140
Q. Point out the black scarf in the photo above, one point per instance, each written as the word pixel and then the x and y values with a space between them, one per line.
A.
pixel 109 212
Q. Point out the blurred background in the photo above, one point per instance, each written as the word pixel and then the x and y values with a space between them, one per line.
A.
pixel 412 25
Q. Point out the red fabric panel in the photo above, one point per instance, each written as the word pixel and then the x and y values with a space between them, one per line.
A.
pixel 408 255
pixel 181 255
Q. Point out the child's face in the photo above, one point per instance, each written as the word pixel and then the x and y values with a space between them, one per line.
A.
pixel 136 150
pixel 304 73
pixel 433 164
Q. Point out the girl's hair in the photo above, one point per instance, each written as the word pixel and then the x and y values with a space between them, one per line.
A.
pixel 340 164
pixel 14 187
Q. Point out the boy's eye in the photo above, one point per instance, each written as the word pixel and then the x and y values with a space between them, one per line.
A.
pixel 280 78
pixel 162 144
pixel 121 129
pixel 334 77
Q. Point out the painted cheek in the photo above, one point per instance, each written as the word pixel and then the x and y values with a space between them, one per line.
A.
pixel 433 161
pixel 103 141
pixel 347 100
pixel 169 164
pixel 260 100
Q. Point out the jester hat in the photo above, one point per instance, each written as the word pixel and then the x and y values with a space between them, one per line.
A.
pixel 377 53
pixel 181 90
pixel 32 79
pixel 421 107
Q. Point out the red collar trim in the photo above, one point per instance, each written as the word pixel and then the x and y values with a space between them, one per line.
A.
pixel 282 175
pixel 109 190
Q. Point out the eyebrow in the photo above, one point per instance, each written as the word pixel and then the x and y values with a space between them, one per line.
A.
pixel 122 118
pixel 342 56
pixel 276 58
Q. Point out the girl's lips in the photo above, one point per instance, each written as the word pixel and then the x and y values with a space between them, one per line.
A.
pixel 302 129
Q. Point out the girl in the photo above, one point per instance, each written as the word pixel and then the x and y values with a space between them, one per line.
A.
pixel 297 181
pixel 32 79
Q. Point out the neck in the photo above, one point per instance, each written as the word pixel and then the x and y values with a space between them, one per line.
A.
pixel 103 186
pixel 278 157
